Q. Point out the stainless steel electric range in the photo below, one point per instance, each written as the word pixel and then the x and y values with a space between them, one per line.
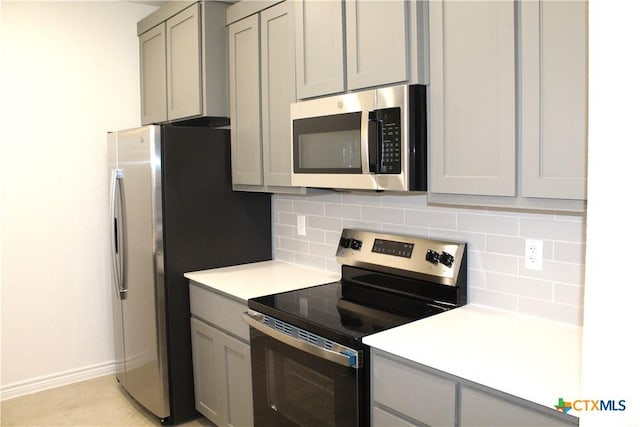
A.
pixel 309 365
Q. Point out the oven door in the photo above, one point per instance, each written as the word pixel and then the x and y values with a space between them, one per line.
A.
pixel 296 385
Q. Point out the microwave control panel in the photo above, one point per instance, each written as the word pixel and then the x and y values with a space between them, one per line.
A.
pixel 390 161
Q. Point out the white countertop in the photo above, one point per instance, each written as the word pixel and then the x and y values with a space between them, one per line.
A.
pixel 260 278
pixel 528 357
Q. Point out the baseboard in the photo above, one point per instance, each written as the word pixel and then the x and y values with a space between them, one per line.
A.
pixel 46 382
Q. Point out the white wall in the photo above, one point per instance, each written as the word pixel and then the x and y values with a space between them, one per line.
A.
pixel 611 355
pixel 70 74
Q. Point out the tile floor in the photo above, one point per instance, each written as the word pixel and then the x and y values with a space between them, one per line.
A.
pixel 96 402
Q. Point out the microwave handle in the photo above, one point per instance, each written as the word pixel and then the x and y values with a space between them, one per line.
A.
pixel 374 142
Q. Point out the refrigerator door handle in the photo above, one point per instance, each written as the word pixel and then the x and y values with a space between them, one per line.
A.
pixel 116 207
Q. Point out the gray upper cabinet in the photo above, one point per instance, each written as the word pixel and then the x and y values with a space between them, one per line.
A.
pixel 508 108
pixel 153 75
pixel 319 47
pixel 262 82
pixel 244 90
pixel 183 62
pixel 377 42
pixel 355 44
pixel 278 91
pixel 472 110
pixel 554 99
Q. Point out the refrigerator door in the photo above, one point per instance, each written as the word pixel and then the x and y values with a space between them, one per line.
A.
pixel 117 256
pixel 143 308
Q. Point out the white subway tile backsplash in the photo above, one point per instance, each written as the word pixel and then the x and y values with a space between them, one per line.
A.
pixel 322 250
pixel 505 245
pixel 488 224
pixel 568 294
pixel 324 223
pixel 282 205
pixel 495 244
pixel 507 284
pixel 552 229
pixel 569 252
pixel 294 245
pixel 551 310
pixel 337 210
pixel 308 208
pixel 283 230
pixel 493 299
pixel 311 261
pixel 383 215
pixel 286 218
pixel 430 219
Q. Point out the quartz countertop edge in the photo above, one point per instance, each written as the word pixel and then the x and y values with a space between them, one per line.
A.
pixel 246 281
pixel 535 359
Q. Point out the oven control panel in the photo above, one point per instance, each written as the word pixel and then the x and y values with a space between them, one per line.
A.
pixel 420 257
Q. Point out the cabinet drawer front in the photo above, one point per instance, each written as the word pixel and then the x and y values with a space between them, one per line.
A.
pixel 480 409
pixel 418 394
pixel 219 310
pixel 382 418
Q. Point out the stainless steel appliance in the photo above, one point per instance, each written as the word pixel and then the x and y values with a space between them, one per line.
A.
pixel 172 211
pixel 371 140
pixel 309 365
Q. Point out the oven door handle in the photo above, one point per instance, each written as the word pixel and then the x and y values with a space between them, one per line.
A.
pixel 344 356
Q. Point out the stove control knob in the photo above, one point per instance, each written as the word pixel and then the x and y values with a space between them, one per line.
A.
pixel 356 244
pixel 345 242
pixel 433 257
pixel 446 259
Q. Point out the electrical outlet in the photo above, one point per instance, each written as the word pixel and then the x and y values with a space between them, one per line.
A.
pixel 533 254
pixel 302 225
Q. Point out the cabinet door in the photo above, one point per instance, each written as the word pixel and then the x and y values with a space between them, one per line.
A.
pixel 472 111
pixel 482 409
pixel 244 91
pixel 554 99
pixel 319 48
pixel 236 357
pixel 153 75
pixel 433 398
pixel 278 91
pixel 184 87
pixel 377 42
pixel 208 371
pixel 222 376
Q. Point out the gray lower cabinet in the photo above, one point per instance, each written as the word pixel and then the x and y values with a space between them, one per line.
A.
pixel 479 408
pixel 407 391
pixel 404 393
pixel 183 62
pixel 221 358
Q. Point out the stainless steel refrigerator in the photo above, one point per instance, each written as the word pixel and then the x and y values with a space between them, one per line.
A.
pixel 172 211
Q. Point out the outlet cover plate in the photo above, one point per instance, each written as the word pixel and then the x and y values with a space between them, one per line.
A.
pixel 533 254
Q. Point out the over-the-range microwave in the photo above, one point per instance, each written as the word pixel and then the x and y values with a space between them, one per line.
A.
pixel 369 140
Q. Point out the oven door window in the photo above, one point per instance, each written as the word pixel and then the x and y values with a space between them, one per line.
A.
pixel 328 144
pixel 294 388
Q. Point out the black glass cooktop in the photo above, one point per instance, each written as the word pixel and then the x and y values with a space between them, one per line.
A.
pixel 344 311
